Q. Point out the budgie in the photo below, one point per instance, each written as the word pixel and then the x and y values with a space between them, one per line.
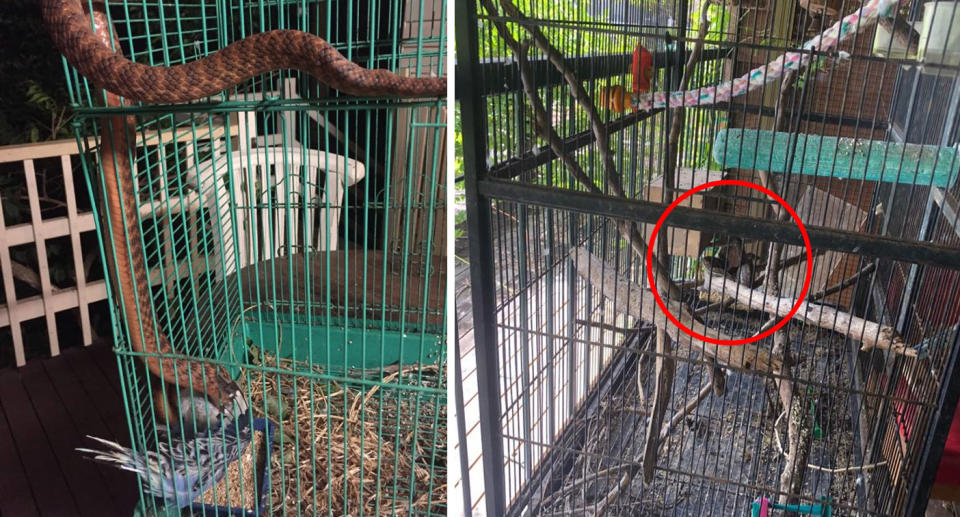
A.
pixel 941 338
pixel 188 459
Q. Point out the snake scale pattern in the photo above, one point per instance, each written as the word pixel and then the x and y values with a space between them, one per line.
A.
pixel 91 52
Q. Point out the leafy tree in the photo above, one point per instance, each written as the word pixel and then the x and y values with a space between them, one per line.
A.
pixel 34 104
pixel 575 31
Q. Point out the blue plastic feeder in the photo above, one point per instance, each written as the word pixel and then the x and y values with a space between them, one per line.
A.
pixel 270 428
pixel 842 158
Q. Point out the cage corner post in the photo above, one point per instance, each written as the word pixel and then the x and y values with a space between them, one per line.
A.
pixel 481 257
pixel 936 439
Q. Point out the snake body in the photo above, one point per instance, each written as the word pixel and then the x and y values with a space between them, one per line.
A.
pixel 91 52
pixel 69 27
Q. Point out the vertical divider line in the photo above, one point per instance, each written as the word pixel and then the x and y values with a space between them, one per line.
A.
pixel 481 257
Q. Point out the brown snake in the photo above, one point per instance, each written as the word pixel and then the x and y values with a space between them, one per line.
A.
pixel 91 52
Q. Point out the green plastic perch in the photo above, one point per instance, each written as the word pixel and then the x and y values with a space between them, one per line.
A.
pixel 844 158
pixel 761 508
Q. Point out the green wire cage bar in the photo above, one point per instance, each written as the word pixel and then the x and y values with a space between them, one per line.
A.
pixel 295 236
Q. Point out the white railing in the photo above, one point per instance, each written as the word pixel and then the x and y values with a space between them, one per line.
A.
pixel 35 233
pixel 341 173
pixel 51 300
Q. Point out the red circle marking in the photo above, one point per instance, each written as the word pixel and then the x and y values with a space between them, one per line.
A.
pixel 778 199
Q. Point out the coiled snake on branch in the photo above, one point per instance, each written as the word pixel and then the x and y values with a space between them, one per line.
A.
pixel 91 53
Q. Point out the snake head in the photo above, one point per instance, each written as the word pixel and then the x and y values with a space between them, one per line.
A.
pixel 230 395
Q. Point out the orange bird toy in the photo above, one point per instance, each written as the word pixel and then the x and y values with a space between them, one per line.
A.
pixel 615 98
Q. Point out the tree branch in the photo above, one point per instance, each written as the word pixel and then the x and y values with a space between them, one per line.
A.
pixel 611 175
pixel 840 286
pixel 685 410
pixel 869 333
pixel 666 369
pixel 665 365
pixel 25 274
pixel 742 358
pixel 789 477
pixel 722 304
pixel 790 261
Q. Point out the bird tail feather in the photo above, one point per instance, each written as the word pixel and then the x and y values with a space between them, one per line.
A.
pixel 114 454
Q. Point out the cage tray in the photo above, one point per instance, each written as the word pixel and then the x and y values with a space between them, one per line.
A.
pixel 338 348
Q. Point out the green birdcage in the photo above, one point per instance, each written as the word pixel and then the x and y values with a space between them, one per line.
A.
pixel 292 235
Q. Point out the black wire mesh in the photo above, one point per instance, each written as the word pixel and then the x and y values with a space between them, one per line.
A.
pixel 567 357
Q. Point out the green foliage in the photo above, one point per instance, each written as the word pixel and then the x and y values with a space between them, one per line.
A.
pixel 510 126
pixel 509 122
pixel 459 193
pixel 814 68
pixel 14 210
pixel 718 19
pixel 38 98
pixel 457 143
pixel 34 101
pixel 570 42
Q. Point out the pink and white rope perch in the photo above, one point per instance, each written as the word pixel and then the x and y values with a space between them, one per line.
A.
pixel 849 25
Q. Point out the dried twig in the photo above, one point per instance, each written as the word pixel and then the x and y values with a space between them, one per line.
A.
pixel 830 470
pixel 684 411
pixel 631 470
pixel 577 483
pixel 665 368
pixel 840 286
pixel 25 274
pixel 790 261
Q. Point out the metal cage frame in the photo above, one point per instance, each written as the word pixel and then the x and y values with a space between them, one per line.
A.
pixel 487 183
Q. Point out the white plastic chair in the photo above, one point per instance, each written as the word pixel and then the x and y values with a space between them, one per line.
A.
pixel 261 211
pixel 256 217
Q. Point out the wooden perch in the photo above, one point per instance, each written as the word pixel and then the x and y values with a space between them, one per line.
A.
pixel 666 365
pixel 869 333
pixel 800 430
pixel 718 380
pixel 666 369
pixel 630 299
pixel 785 263
pixel 686 410
pixel 791 478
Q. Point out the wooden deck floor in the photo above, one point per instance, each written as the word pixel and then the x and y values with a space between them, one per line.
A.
pixel 46 409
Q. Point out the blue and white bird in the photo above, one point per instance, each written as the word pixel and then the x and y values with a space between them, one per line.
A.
pixel 188 461
pixel 939 339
